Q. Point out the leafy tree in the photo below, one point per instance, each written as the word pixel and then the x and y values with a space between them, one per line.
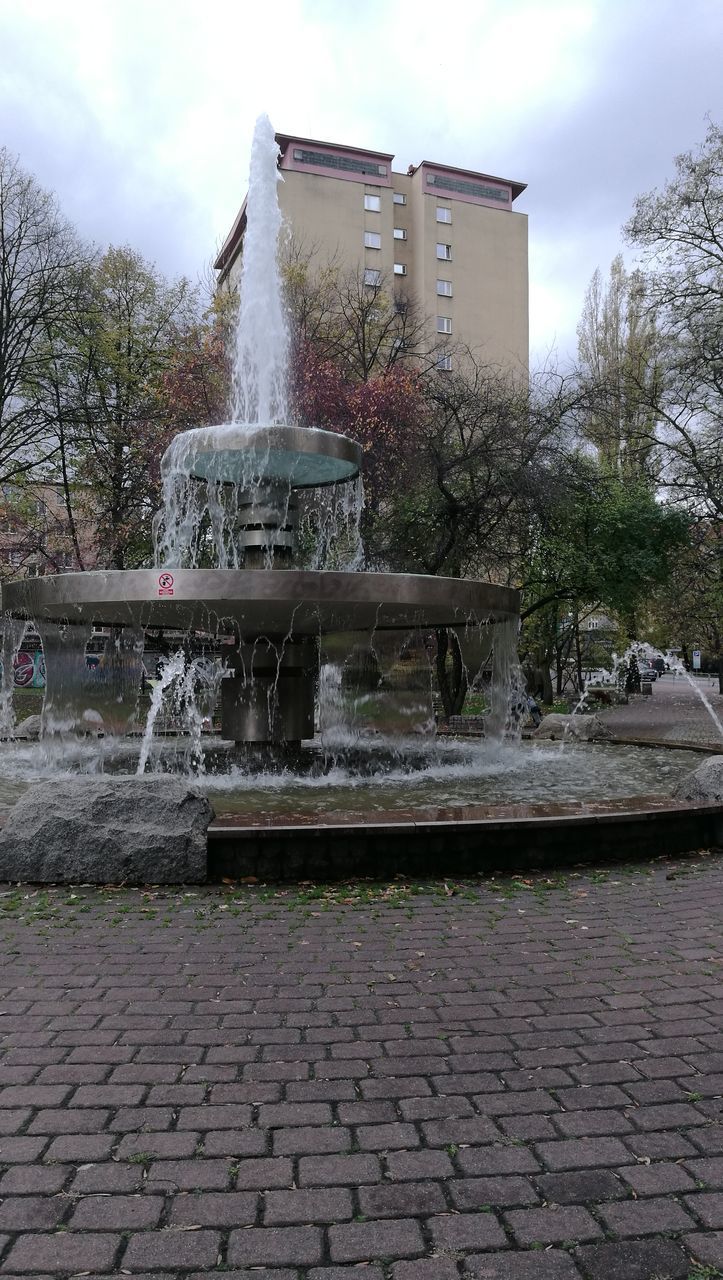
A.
pixel 687 611
pixel 106 397
pixel 601 542
pixel 619 371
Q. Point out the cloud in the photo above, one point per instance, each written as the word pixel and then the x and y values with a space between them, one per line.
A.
pixel 140 114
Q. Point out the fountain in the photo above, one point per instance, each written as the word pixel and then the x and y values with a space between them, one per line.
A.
pixel 232 497
pixel 293 632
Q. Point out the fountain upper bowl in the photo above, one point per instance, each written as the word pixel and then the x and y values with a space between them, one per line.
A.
pixel 236 453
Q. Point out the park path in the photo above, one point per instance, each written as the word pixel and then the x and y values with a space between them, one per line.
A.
pixel 508 1080
pixel 674 712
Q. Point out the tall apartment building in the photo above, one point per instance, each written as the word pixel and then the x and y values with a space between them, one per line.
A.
pixel 446 237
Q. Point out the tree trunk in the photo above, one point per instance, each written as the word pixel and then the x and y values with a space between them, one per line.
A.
pixel 452 682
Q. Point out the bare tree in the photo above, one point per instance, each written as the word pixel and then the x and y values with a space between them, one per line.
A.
pixel 362 321
pixel 680 232
pixel 39 258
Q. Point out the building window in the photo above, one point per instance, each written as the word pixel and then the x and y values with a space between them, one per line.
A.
pixel 444 252
pixel 400 233
pixel 399 198
pixel 400 269
pixel 372 240
pixel 443 215
pixel 444 288
pixel 444 324
pixel 469 188
pixel 373 278
pixel 324 160
pixel 373 204
pixel 444 362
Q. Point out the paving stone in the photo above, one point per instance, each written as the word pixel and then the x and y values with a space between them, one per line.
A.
pixel 189 1175
pixel 423 1269
pixel 493 1160
pixel 547 1264
pixel 355 1272
pixel 171 1248
pixel 406 1199
pixel 213 1209
pixel 61 1252
pixel 467 1231
pixel 551 1225
pixel 709 1171
pixel 661 1178
pixel 170 1146
pixel 661 1146
pixel 350 1170
pixel 362 1241
pixel 382 1137
pixel 708 1207
pixel 582 1153
pixel 275 1246
pixel 81 1147
pixel 633 1260
pixel 706 1247
pixel 325 1204
pixel 474 1193
pixel 644 1217
pixel 418 1164
pixel 31 1213
pixel 312 1140
pixel 107 1179
pixel 28 1179
pixel 116 1213
pixel 21 1150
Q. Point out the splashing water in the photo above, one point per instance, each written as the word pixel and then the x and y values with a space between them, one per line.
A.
pixel 171 670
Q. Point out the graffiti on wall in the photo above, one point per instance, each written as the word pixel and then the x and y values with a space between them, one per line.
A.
pixel 29 668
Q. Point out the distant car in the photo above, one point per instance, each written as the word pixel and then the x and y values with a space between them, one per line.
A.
pixel 647 672
pixel 660 665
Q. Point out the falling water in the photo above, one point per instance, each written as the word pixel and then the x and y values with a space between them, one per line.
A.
pixel 262 339
pixel 13 632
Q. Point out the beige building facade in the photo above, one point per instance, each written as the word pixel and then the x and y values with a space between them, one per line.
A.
pixel 444 237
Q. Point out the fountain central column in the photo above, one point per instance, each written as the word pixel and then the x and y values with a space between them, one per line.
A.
pixel 269 697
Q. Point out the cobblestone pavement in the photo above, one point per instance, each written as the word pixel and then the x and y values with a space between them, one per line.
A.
pixel 504 1079
pixel 674 712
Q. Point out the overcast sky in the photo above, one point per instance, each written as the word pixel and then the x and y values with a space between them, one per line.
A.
pixel 139 113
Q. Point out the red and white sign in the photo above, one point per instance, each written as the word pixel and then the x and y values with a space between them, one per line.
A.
pixel 165 584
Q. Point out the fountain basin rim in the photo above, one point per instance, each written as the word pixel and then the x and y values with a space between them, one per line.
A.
pixel 278 601
pixel 275 453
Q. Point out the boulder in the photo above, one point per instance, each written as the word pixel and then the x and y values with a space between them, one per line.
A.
pixel 581 728
pixel 29 728
pixel 107 830
pixel 704 784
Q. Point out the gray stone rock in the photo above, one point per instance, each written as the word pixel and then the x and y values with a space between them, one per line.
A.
pixel 29 728
pixel 582 728
pixel 107 831
pixel 704 784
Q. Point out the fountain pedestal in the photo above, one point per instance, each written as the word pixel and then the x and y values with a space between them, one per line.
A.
pixel 270 698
